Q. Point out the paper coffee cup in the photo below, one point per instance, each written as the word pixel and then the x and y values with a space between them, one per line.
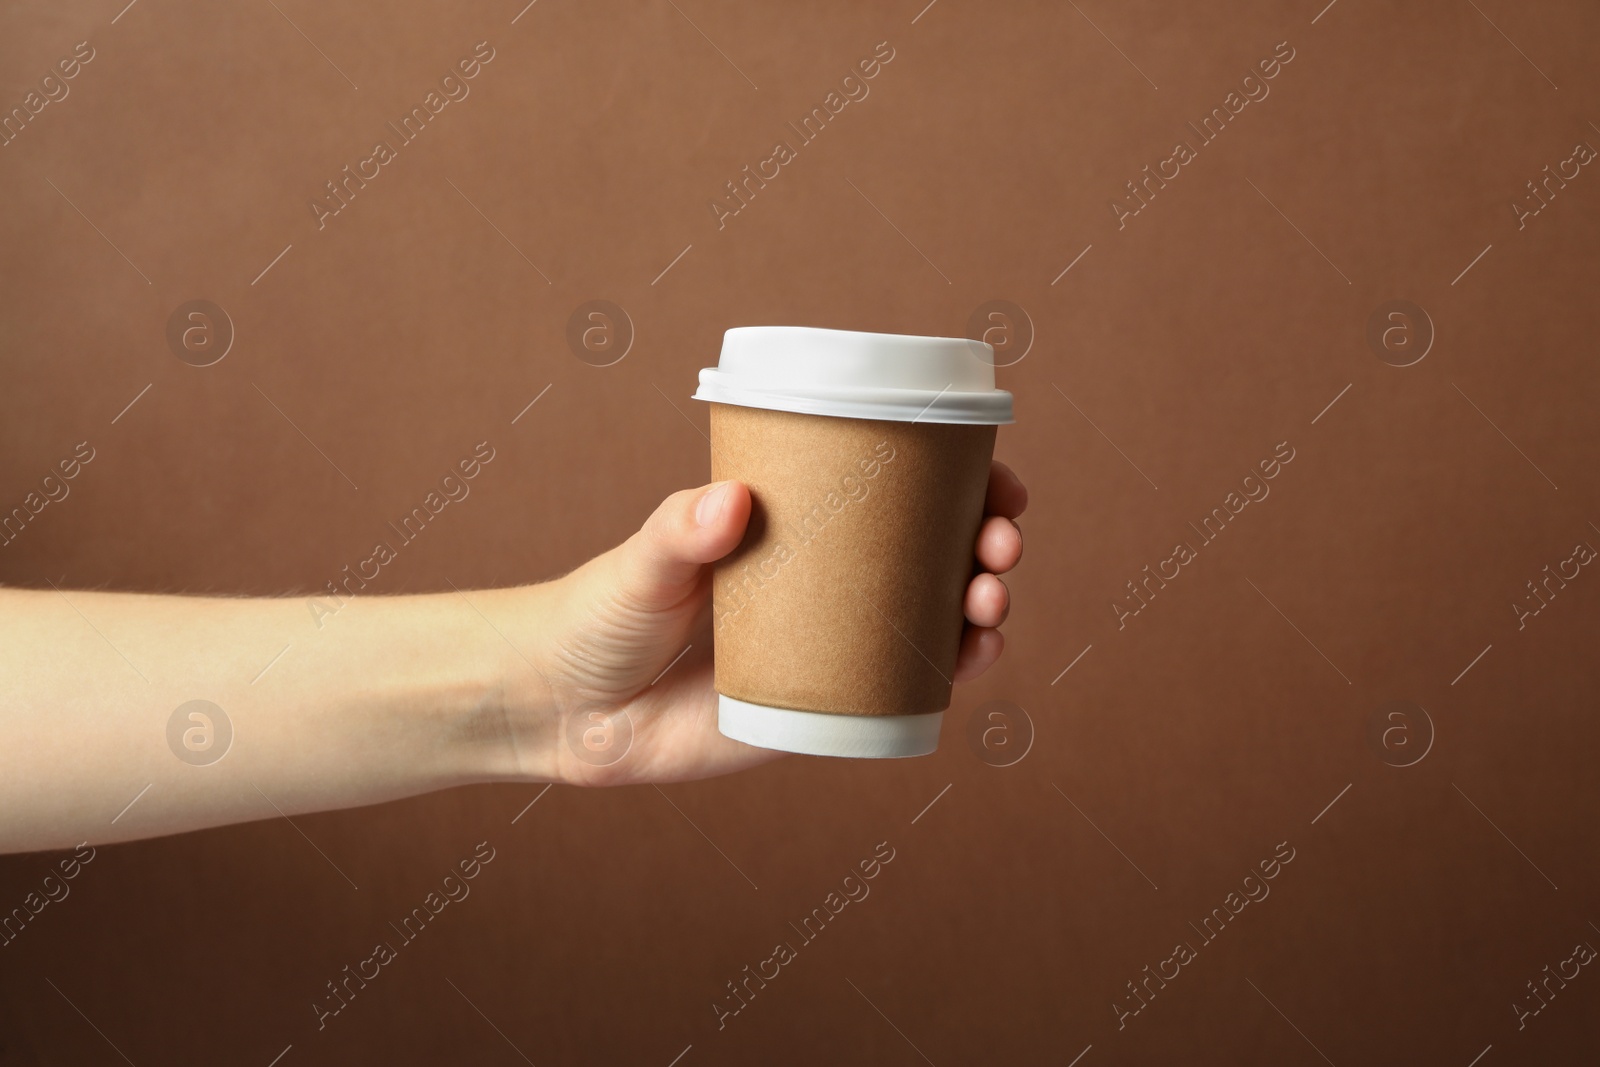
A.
pixel 838 618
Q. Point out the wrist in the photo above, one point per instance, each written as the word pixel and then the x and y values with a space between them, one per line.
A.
pixel 504 725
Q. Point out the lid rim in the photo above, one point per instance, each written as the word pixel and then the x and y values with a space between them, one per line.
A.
pixel 997 411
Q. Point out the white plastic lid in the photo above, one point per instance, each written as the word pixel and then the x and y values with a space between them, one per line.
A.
pixel 888 376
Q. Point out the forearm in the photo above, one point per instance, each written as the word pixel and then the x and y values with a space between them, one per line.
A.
pixel 391 697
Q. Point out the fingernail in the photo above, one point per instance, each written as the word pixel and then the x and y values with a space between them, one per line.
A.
pixel 709 509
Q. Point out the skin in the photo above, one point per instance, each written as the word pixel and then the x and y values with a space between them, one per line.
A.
pixel 392 696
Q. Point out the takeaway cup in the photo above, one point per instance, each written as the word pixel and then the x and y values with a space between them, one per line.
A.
pixel 838 618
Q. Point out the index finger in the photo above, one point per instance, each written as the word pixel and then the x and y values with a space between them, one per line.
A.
pixel 1007 495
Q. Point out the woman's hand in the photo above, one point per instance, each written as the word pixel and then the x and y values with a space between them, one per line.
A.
pixel 626 655
pixel 600 677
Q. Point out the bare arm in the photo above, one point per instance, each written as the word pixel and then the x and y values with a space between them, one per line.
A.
pixel 390 696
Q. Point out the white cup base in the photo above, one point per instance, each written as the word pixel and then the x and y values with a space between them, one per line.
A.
pixel 815 733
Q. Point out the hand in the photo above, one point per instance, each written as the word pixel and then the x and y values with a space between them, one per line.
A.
pixel 622 621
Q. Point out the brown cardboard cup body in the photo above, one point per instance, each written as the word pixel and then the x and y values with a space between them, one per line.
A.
pixel 845 596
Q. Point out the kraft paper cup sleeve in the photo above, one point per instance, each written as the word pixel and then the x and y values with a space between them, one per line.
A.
pixel 845 597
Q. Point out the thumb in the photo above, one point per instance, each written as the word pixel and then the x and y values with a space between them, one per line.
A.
pixel 661 564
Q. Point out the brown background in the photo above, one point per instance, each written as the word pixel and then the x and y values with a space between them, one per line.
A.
pixel 1212 327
